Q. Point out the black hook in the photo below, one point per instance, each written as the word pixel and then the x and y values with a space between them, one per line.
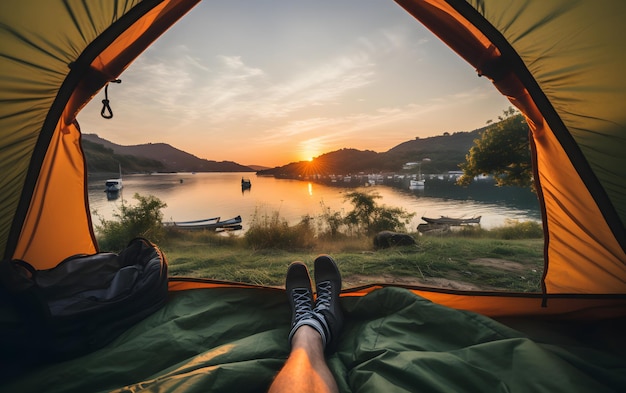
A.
pixel 106 111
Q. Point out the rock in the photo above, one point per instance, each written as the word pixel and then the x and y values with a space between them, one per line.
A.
pixel 386 239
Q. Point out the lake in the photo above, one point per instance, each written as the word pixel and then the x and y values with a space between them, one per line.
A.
pixel 203 195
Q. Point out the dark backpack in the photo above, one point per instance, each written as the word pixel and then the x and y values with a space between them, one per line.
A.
pixel 80 305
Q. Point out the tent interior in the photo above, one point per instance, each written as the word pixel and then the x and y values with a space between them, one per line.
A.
pixel 225 336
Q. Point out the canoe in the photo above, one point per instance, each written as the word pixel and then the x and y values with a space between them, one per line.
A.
pixel 452 221
pixel 209 223
pixel 433 228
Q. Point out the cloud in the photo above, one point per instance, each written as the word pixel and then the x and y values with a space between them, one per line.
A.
pixel 233 83
pixel 189 90
pixel 184 88
pixel 363 128
pixel 358 92
pixel 390 39
pixel 321 85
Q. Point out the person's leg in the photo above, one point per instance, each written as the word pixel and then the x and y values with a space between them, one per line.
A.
pixel 314 330
pixel 306 369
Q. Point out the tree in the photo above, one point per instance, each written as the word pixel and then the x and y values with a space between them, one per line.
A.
pixel 369 218
pixel 503 151
pixel 142 220
pixel 364 208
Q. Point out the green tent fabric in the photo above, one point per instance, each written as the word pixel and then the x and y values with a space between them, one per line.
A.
pixel 235 340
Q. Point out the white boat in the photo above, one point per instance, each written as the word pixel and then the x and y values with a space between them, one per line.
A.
pixel 416 184
pixel 113 185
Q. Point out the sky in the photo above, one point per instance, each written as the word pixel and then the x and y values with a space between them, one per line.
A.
pixel 269 82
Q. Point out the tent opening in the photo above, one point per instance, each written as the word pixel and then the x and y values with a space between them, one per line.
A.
pixel 374 82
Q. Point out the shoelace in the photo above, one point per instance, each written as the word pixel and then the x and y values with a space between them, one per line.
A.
pixel 302 303
pixel 324 296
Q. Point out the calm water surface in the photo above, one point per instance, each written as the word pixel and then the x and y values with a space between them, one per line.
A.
pixel 203 195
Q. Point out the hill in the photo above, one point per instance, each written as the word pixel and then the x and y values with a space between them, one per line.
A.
pixel 257 167
pixel 337 162
pixel 445 153
pixel 162 157
pixel 102 159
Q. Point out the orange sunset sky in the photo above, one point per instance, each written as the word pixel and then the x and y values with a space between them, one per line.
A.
pixel 270 82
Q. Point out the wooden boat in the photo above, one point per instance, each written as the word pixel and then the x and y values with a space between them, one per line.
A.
pixel 245 183
pixel 214 224
pixel 452 221
pixel 433 228
pixel 229 228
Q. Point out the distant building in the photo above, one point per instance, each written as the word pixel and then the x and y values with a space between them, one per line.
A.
pixel 454 175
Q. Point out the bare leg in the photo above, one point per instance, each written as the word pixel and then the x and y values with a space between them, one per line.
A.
pixel 306 369
pixel 315 328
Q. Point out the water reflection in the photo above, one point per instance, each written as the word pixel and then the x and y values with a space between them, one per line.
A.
pixel 192 196
pixel 112 195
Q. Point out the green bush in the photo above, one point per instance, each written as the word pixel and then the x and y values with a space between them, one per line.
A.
pixel 367 218
pixel 519 230
pixel 330 223
pixel 205 236
pixel 143 220
pixel 275 232
pixel 511 230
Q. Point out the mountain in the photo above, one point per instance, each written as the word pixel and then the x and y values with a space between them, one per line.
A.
pixel 165 157
pixel 257 167
pixel 338 162
pixel 444 153
pixel 101 159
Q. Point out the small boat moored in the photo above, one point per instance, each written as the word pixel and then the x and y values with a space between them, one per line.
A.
pixel 213 224
pixel 452 221
pixel 416 184
pixel 113 185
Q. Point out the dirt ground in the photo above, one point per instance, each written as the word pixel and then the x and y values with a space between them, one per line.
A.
pixel 437 282
pixel 500 264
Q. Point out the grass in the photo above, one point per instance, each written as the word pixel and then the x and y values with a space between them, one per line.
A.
pixel 507 258
pixel 454 261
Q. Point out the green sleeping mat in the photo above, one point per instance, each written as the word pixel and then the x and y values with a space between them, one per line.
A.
pixel 235 340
